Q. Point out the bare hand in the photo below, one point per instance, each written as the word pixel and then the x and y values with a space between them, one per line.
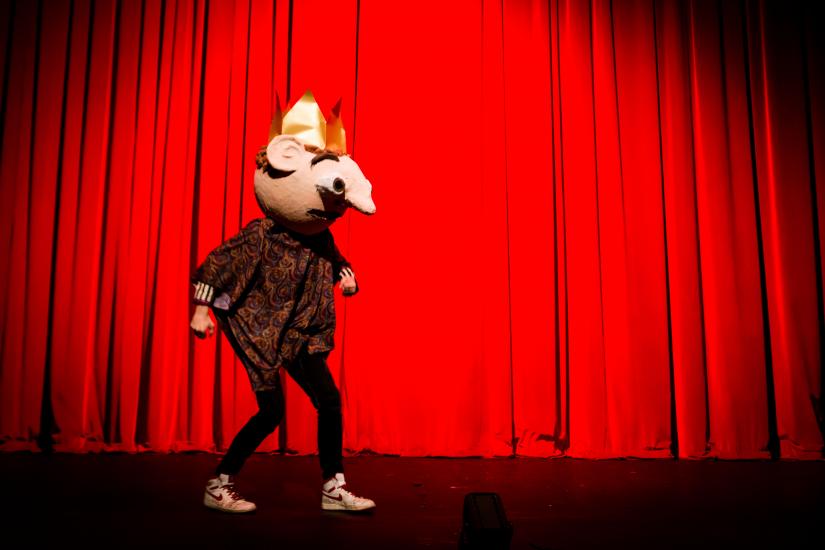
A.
pixel 202 323
pixel 347 283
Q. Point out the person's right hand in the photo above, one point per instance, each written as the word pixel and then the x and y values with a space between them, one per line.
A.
pixel 202 323
pixel 347 283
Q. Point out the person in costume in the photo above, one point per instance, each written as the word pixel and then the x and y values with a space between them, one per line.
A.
pixel 271 290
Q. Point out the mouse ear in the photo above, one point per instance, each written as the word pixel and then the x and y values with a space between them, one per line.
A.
pixel 285 153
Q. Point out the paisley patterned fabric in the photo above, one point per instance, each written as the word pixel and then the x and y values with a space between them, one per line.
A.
pixel 273 294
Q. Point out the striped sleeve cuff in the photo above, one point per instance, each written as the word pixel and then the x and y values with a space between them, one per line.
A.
pixel 204 294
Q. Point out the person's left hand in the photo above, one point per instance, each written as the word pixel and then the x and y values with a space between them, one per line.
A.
pixel 347 283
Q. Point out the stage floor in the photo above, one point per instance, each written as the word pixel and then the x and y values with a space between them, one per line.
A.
pixel 115 500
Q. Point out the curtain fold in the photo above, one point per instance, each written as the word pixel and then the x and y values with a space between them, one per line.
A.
pixel 598 232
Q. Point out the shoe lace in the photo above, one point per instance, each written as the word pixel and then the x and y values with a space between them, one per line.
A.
pixel 233 492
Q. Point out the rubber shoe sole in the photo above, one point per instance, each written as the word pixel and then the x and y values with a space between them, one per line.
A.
pixel 209 502
pixel 327 504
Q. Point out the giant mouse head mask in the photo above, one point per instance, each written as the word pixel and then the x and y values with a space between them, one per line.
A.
pixel 305 181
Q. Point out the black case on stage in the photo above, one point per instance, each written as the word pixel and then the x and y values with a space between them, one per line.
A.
pixel 485 524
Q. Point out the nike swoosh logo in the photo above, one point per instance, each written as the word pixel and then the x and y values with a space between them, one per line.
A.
pixel 339 497
pixel 218 498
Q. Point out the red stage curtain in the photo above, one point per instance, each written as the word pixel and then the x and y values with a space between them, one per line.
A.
pixel 599 224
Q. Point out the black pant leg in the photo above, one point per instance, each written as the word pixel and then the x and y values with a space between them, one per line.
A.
pixel 269 415
pixel 312 374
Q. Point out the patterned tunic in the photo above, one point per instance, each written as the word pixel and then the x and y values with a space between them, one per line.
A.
pixel 272 291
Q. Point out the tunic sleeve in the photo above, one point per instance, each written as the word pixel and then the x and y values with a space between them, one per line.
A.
pixel 338 262
pixel 226 271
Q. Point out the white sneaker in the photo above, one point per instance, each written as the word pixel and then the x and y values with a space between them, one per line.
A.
pixel 335 497
pixel 221 495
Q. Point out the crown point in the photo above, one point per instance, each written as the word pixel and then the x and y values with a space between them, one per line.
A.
pixel 336 109
pixel 305 121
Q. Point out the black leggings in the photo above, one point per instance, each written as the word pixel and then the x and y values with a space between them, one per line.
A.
pixel 311 373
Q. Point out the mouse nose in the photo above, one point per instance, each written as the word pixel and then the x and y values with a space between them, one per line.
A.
pixel 359 196
pixel 354 191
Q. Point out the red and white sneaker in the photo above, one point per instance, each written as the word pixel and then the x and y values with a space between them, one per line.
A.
pixel 221 495
pixel 334 496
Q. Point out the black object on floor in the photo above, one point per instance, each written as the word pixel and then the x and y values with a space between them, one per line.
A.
pixel 485 523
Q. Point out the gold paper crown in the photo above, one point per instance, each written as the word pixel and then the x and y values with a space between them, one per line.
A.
pixel 306 122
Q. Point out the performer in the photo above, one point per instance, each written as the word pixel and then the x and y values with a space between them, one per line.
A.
pixel 271 289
